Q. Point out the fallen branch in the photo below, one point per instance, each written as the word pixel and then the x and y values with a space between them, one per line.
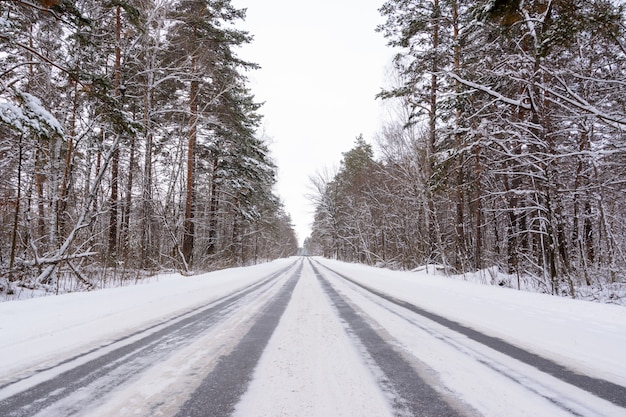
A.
pixel 81 223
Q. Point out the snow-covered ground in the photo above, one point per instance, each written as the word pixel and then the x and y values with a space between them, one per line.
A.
pixel 584 335
pixel 39 332
pixel 312 365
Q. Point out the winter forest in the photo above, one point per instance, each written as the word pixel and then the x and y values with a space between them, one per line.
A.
pixel 128 144
pixel 506 148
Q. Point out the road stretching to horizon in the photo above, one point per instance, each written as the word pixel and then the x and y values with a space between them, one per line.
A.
pixel 210 361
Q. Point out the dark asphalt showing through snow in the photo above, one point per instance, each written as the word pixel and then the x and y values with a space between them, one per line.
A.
pixel 220 391
pixel 598 387
pixel 125 361
pixel 413 395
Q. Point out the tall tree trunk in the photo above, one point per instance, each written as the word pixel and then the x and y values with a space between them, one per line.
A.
pixel 213 205
pixel 115 162
pixel 511 229
pixel 583 241
pixel 16 215
pixel 67 172
pixel 147 243
pixel 478 212
pixel 40 178
pixel 236 247
pixel 432 137
pixel 458 142
pixel 588 232
pixel 113 206
pixel 125 232
pixel 188 237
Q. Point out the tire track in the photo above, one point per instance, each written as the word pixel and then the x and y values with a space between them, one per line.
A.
pixel 603 389
pixel 411 394
pixel 220 391
pixel 122 359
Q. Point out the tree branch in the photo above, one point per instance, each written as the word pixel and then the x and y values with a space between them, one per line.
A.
pixel 485 89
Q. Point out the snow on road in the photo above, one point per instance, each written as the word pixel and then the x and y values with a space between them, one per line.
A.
pixel 40 332
pixel 312 367
pixel 587 336
pixel 490 382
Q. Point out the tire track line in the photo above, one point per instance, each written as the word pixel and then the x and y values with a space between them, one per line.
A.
pixel 46 387
pixel 603 389
pixel 413 395
pixel 220 391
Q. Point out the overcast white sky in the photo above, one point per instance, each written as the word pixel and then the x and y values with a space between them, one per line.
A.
pixel 322 64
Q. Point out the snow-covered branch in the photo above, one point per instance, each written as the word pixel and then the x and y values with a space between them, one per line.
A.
pixel 81 222
pixel 491 92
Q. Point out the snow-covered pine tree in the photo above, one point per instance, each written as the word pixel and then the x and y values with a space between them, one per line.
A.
pixel 202 37
pixel 528 117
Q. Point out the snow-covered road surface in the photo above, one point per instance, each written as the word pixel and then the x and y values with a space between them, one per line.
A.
pixel 311 337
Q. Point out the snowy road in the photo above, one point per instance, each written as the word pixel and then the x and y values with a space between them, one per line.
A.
pixel 311 337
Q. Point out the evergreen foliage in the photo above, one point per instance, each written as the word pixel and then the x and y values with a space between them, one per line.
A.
pixel 102 106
